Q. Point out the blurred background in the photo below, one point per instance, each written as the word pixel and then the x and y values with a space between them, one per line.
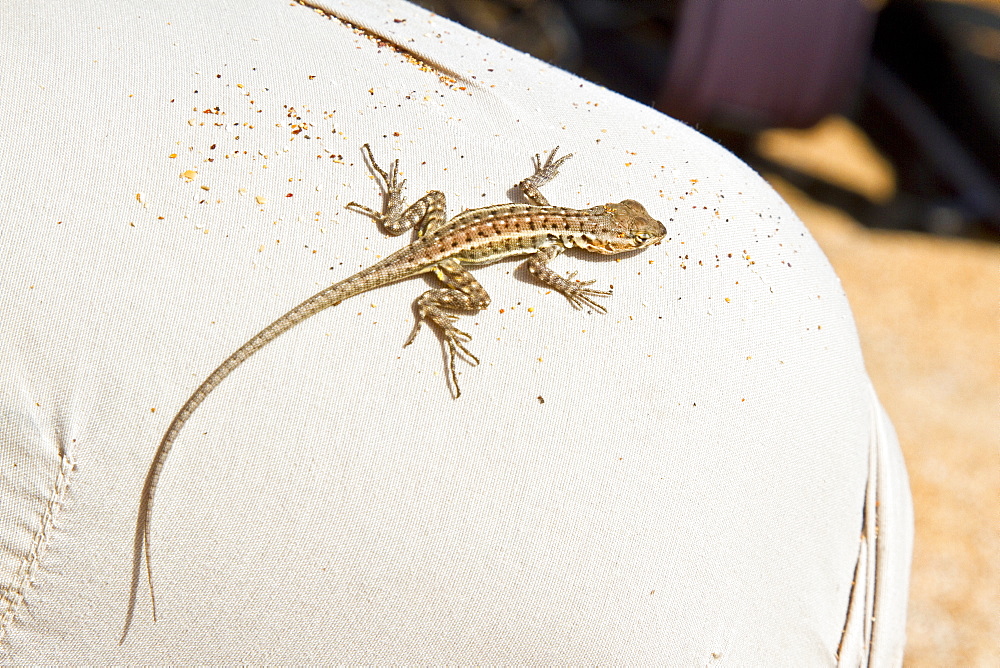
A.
pixel 879 123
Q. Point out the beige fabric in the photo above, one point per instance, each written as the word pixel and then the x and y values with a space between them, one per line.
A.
pixel 683 481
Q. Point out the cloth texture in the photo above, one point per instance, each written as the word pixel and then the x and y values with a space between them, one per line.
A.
pixel 702 476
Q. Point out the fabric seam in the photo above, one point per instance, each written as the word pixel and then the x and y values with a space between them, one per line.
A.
pixel 15 595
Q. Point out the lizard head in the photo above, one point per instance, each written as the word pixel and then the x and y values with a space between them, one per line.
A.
pixel 629 227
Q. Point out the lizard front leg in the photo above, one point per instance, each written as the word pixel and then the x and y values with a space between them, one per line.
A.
pixel 463 293
pixel 426 214
pixel 577 292
pixel 544 172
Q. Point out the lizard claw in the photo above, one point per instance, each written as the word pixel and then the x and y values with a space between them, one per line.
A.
pixel 455 339
pixel 545 172
pixel 583 299
pixel 580 296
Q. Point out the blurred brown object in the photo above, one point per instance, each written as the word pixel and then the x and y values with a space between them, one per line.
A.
pixel 926 311
pixel 734 62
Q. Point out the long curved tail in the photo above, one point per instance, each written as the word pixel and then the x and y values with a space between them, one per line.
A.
pixel 389 270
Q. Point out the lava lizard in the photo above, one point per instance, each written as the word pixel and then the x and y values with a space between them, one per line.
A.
pixel 473 237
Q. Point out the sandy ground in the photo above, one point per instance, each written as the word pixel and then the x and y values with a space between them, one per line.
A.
pixel 927 314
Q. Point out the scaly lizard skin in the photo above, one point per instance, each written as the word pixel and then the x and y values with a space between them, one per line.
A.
pixel 473 237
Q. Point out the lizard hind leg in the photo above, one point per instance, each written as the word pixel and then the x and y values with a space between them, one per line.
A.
pixel 426 214
pixel 463 293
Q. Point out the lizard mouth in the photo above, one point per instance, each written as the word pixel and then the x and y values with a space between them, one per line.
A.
pixel 615 246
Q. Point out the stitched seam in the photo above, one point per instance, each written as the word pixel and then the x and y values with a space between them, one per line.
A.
pixel 866 540
pixel 849 617
pixel 447 76
pixel 880 563
pixel 13 597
